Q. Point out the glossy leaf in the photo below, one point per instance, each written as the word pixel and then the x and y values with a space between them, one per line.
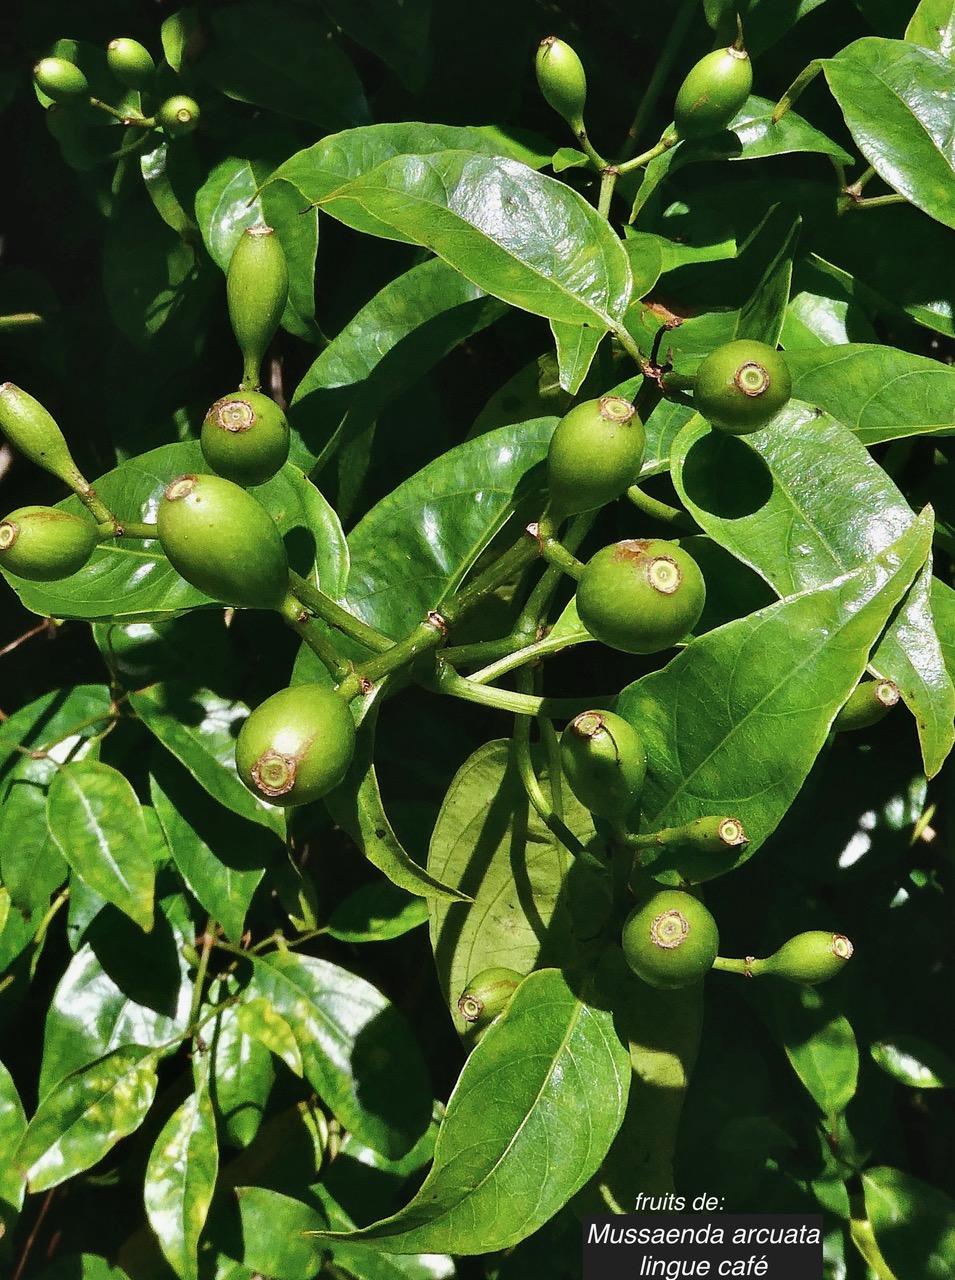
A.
pixel 914 1224
pixel 180 1179
pixel 13 1123
pixel 943 610
pixel 880 393
pixel 735 721
pixel 932 25
pixel 259 1021
pixel 894 96
pixel 796 535
pixel 354 1045
pixel 85 1115
pixel 506 1160
pixel 497 222
pixel 576 347
pixel 276 1234
pixel 99 827
pixel 819 1043
pixel 375 913
pixel 914 1062
pixel 241 1074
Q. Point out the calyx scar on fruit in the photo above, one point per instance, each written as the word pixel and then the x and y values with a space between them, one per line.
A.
pixel 641 595
pixel 486 997
pixel 245 438
pixel 296 745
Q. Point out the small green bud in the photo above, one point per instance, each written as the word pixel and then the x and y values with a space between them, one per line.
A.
pixel 563 84
pixel 178 116
pixel 130 62
pixel 869 701
pixel 223 542
pixel 605 763
pixel 671 941
pixel 713 92
pixel 296 745
pixel 257 291
pixel 61 80
pixel 810 957
pixel 485 998
pixel 245 437
pixel 595 454
pixel 42 544
pixel 33 432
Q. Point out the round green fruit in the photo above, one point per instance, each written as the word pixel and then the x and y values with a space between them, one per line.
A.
pixel 486 997
pixel 297 745
pixel 130 62
pixel 741 386
pixel 810 957
pixel 61 80
pixel 223 542
pixel 869 701
pixel 257 291
pixel 595 454
pixel 605 763
pixel 563 84
pixel 245 437
pixel 45 543
pixel 712 93
pixel 178 115
pixel 671 941
pixel 641 595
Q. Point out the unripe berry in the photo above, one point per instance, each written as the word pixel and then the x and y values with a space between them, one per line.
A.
pixel 595 454
pixel 297 745
pixel 605 763
pixel 671 941
pixel 810 957
pixel 61 80
pixel 45 543
pixel 179 115
pixel 245 437
pixel 641 596
pixel 223 542
pixel 486 997
pixel 33 431
pixel 712 93
pixel 867 704
pixel 563 84
pixel 130 62
pixel 257 291
pixel 741 386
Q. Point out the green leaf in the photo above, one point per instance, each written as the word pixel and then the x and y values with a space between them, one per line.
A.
pixel 294 67
pixel 354 1046
pixel 276 1235
pixel 233 198
pixel 199 728
pixel 397 33
pixel 914 1062
pixel 99 827
pixel 406 328
pixel 896 103
pixel 497 222
pixel 506 1160
pixel 735 721
pixel 932 25
pixel 85 1266
pixel 259 1021
pixel 85 1115
pixel 772 500
pixel 164 170
pixel 377 912
pixel 819 1043
pixel 943 610
pixel 180 1179
pixel 914 1224
pixel 880 393
pixel 13 1123
pixel 576 347
pixel 220 856
pixel 241 1074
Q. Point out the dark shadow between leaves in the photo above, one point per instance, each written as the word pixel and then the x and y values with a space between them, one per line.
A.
pixel 145 966
pixel 723 476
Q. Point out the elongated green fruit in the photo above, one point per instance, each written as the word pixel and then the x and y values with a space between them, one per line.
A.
pixel 562 81
pixel 693 853
pixel 713 92
pixel 32 431
pixel 245 437
pixel 485 998
pixel 178 115
pixel 810 957
pixel 297 745
pixel 257 290
pixel 670 941
pixel 594 455
pixel 867 704
pixel 605 763
pixel 45 543
pixel 223 542
pixel 61 80
pixel 130 62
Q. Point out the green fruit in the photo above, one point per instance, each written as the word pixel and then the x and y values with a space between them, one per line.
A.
pixel 641 596
pixel 45 543
pixel 594 456
pixel 741 385
pixel 178 116
pixel 671 941
pixel 810 957
pixel 32 430
pixel 605 763
pixel 713 93
pixel 245 437
pixel 223 542
pixel 697 851
pixel 61 80
pixel 130 62
pixel 297 745
pixel 486 997
pixel 563 84
pixel 867 704
pixel 257 290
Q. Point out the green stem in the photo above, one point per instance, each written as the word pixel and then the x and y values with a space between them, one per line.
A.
pixel 608 180
pixel 671 382
pixel 208 938
pixel 538 602
pixel 464 655
pixel 661 71
pixel 141 122
pixel 519 657
pixel 19 320
pixel 668 140
pixel 341 619
pixel 507 567
pixel 125 529
pixel 861 181
pixel 426 637
pixel 525 766
pixel 661 511
pixel 802 81
pixel 629 344
pixel 295 616
pixel 878 202
pixel 548 735
pixel 556 553
pixel 522 704
pixel 583 138
pixel 726 965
